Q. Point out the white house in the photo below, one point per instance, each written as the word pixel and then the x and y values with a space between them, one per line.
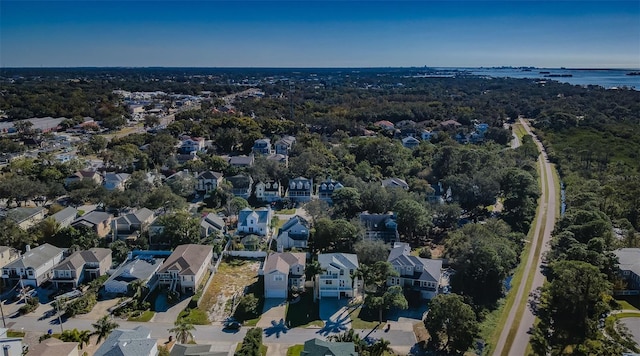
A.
pixel 268 191
pixel 185 268
pixel 129 342
pixel 35 266
pixel 208 181
pixel 283 271
pixel 143 269
pixel 335 281
pixel 254 221
pixel 294 233
pixel 115 181
pixel 421 275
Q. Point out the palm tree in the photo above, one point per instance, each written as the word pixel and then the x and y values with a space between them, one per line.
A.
pixel 103 327
pixel 81 337
pixel 138 287
pixel 379 348
pixel 183 328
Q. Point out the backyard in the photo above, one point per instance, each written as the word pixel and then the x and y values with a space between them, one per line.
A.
pixel 231 279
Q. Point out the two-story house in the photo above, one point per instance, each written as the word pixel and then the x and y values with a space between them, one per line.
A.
pixel 294 233
pixel 212 224
pixel 262 146
pixel 629 269
pixel 115 181
pixel 269 191
pixel 410 142
pixel 254 221
pixel 417 274
pixel 81 267
pixel 65 217
pixel 34 267
pixel 242 161
pixel 283 271
pixel 284 145
pixel 336 279
pixel 191 144
pixel 185 268
pixel 98 221
pixel 394 182
pixel 130 225
pixel 300 189
pixel 380 226
pixel 242 185
pixel 208 181
pixel 326 189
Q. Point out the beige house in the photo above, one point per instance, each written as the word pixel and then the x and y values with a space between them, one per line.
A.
pixel 98 221
pixel 54 347
pixel 282 271
pixel 81 267
pixel 185 267
pixel 8 255
pixel 83 175
pixel 26 217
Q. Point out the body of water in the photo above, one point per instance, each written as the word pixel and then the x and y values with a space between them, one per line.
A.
pixel 607 78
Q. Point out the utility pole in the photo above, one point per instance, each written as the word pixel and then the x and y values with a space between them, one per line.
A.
pixel 4 324
pixel 59 315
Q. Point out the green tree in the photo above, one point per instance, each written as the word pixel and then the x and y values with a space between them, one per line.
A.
pixel 81 337
pixel 451 323
pixel 183 328
pixel 346 202
pixel 371 251
pixel 180 228
pixel 413 218
pixel 379 296
pixel 103 327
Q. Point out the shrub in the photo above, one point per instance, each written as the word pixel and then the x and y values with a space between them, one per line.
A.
pixel 30 305
pixel 425 252
pixel 251 343
pixel 248 307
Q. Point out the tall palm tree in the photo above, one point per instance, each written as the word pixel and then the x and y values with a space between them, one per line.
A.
pixel 182 328
pixel 103 327
pixel 138 287
pixel 75 335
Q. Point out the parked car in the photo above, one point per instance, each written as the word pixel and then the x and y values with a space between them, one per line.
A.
pixel 232 325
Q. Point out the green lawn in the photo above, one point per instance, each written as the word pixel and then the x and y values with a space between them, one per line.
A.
pixel 13 333
pixel 295 350
pixel 143 317
pixel 629 303
pixel 286 211
pixel 196 316
pixel 304 313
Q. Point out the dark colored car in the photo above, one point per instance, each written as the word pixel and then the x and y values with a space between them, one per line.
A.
pixel 232 325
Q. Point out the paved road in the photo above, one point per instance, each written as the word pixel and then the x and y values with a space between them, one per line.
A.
pixel 546 220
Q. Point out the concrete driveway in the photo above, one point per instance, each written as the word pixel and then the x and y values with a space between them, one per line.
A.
pixel 170 315
pixel 335 314
pixel 274 311
pixel 633 324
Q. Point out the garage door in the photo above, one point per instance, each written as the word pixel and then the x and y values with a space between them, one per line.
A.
pixel 276 293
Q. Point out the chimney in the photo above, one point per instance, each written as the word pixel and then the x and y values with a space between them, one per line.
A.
pixel 27 248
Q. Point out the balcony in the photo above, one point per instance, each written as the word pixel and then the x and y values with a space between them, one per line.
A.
pixel 329 276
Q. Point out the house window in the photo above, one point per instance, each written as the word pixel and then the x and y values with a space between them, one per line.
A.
pixel 328 282
pixel 192 278
pixel 342 272
pixel 278 278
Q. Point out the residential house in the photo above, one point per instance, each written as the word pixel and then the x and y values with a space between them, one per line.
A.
pixel 208 181
pixel 129 342
pixel 26 217
pixel 438 194
pixel 53 347
pixel 421 275
pixel 98 221
pixel 395 183
pixel 282 271
pixel 427 135
pixel 242 161
pixel 191 144
pixel 482 128
pixel 139 268
pixel 450 124
pixel 185 268
pixel 254 221
pixel 629 269
pixel 300 189
pixel 380 226
pixel 242 185
pixel 12 346
pixel 8 255
pixel 410 142
pixel 83 175
pixel 132 224
pixel 81 267
pixel 65 217
pixel 198 350
pixel 115 181
pixel 278 158
pixel 212 224
pixel 294 233
pixel 385 125
pixel 336 277
pixel 284 145
pixel 34 267
pixel 269 191
pixel 262 146
pixel 318 347
pixel 326 189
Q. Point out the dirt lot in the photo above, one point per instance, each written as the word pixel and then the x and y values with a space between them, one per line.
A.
pixel 230 279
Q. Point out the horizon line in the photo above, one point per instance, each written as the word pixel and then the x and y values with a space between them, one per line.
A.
pixel 315 67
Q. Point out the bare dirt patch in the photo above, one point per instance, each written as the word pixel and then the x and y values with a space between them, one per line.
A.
pixel 231 279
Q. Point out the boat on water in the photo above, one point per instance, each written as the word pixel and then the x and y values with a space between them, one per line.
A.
pixel 633 73
pixel 545 72
pixel 558 75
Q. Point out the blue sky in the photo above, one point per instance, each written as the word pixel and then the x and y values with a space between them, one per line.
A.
pixel 320 33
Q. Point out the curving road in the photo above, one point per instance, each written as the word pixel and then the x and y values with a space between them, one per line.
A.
pixel 546 218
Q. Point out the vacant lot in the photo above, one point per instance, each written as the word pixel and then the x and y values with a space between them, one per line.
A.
pixel 231 279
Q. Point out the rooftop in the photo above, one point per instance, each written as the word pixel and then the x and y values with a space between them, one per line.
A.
pixel 186 259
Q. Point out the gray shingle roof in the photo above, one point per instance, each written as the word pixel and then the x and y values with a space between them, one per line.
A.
pixel 424 269
pixel 317 347
pixel 629 259
pixel 79 258
pixel 36 257
pixel 65 214
pixel 187 259
pixel 338 260
pixel 125 342
pixel 94 217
